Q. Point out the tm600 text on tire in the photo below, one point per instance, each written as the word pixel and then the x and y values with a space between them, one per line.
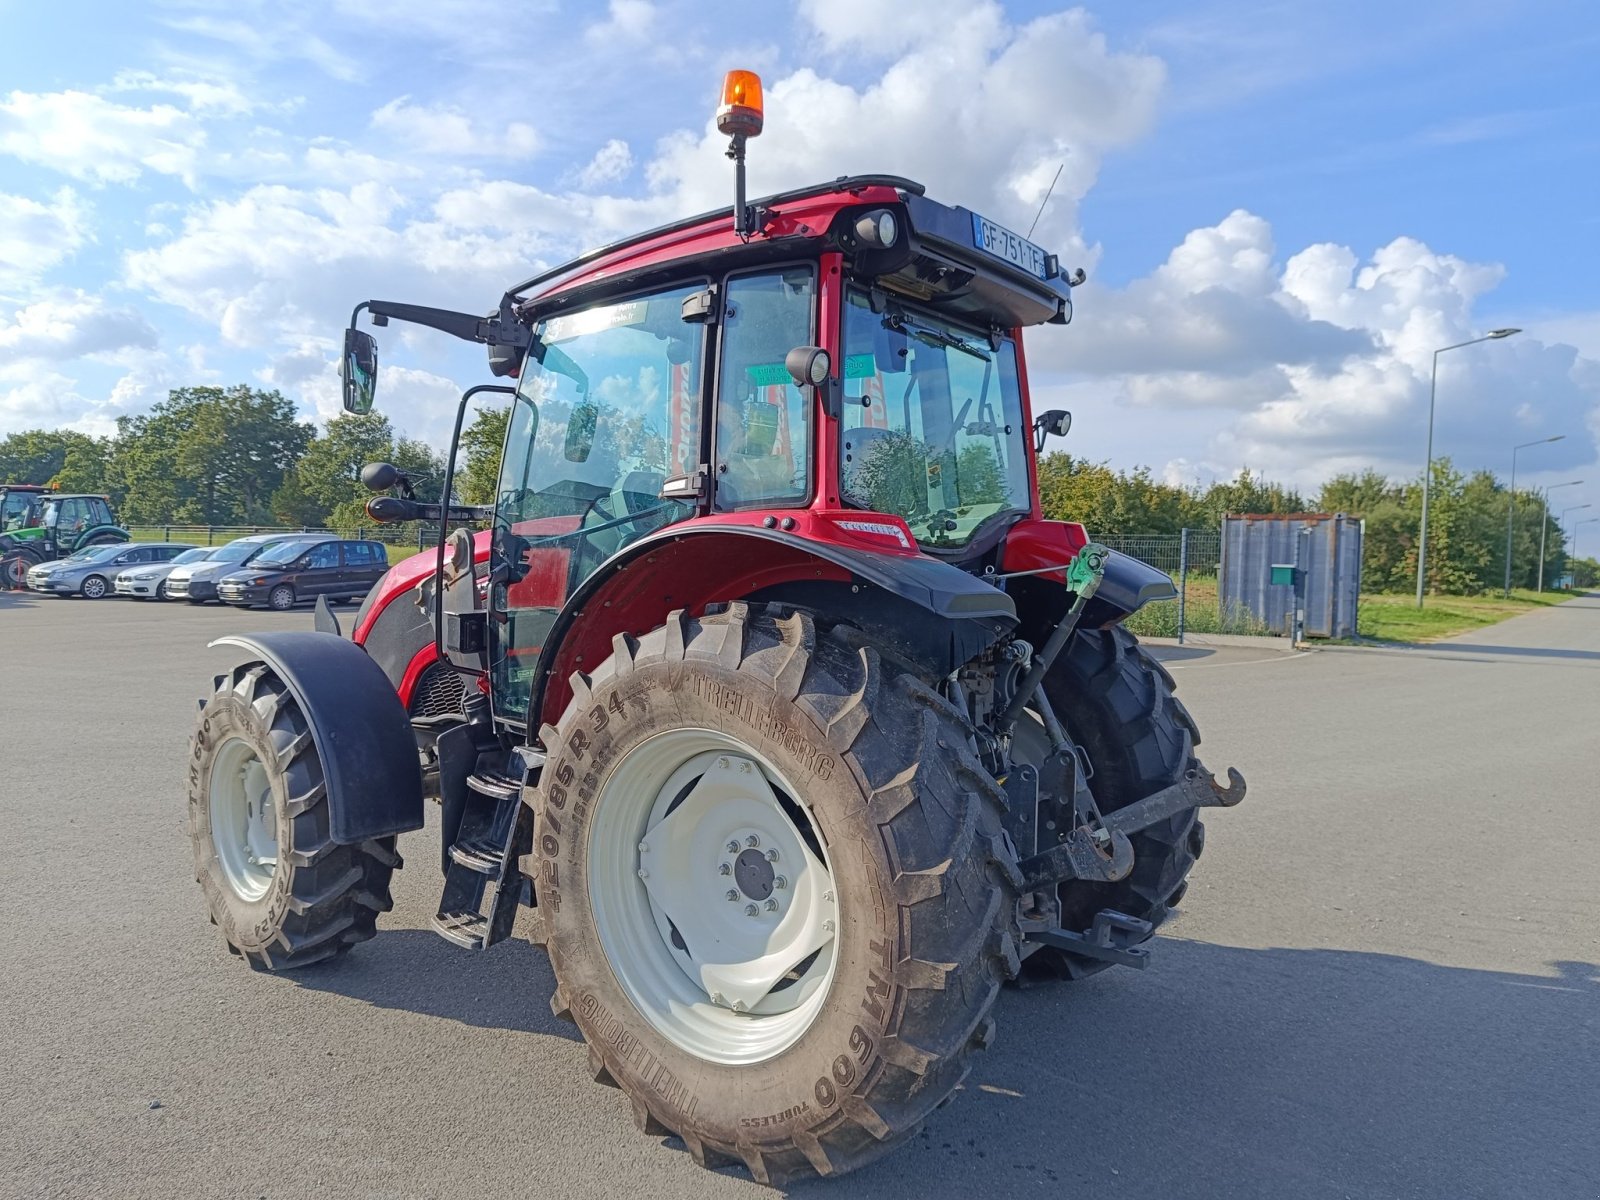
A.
pixel 774 889
pixel 284 893
pixel 1117 703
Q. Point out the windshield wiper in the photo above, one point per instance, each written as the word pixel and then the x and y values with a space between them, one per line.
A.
pixel 932 335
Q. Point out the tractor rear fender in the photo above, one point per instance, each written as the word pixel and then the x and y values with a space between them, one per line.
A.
pixel 1035 547
pixel 362 734
pixel 926 612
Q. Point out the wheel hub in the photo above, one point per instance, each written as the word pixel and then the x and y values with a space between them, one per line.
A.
pixel 244 822
pixel 722 930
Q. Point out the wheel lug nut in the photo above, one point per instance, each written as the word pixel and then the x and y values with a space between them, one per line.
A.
pixel 772 856
pixel 733 847
pixel 732 895
pixel 643 874
pixel 752 841
pixel 725 869
pixel 644 847
pixel 779 882
pixel 828 926
pixel 772 905
pixel 723 763
pixel 750 910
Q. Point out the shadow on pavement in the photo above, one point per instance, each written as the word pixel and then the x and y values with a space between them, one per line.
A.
pixel 11 599
pixel 1308 1073
pixel 418 971
pixel 1220 1071
pixel 1514 651
pixel 1179 653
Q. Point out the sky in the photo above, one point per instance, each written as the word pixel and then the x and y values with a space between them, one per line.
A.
pixel 1284 208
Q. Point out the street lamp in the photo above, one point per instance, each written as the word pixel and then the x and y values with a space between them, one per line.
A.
pixel 1585 521
pixel 1427 467
pixel 1562 525
pixel 1511 510
pixel 1544 520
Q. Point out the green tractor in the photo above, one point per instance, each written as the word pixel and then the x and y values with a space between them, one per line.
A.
pixel 41 526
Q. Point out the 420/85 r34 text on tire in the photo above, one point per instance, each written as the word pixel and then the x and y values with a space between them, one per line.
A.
pixel 284 893
pixel 692 770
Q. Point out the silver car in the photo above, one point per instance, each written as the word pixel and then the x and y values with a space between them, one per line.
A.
pixel 148 581
pixel 91 576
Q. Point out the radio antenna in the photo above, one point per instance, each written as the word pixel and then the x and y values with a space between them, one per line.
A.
pixel 1046 199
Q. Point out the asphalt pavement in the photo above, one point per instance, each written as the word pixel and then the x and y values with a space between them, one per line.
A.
pixel 1383 981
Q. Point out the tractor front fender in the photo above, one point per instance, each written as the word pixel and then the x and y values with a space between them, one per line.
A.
pixel 1128 585
pixel 101 535
pixel 362 734
pixel 927 613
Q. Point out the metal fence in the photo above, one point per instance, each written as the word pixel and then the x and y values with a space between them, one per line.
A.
pixel 1193 557
pixel 407 536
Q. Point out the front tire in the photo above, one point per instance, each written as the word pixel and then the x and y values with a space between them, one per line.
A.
pixel 161 590
pixel 283 892
pixel 279 599
pixel 852 1047
pixel 93 588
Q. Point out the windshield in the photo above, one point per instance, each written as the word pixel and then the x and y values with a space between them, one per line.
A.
pixel 14 509
pixel 238 551
pixel 281 554
pixel 608 409
pixel 932 427
pixel 198 554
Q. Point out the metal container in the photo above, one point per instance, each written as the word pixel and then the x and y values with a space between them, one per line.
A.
pixel 1326 550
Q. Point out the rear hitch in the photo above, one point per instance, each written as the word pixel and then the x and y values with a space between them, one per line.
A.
pixel 1114 937
pixel 1102 853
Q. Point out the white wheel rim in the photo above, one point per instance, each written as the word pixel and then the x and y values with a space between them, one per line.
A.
pixel 244 822
pixel 745 977
pixel 94 587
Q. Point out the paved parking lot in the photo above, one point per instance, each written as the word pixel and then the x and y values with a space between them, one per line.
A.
pixel 1383 982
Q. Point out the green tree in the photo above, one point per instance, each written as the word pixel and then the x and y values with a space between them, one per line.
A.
pixel 236 449
pixel 477 477
pixel 41 455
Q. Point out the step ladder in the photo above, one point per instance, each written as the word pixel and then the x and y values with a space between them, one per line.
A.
pixel 482 885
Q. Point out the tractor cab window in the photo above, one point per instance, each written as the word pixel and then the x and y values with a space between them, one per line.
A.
pixel 607 410
pixel 14 509
pixel 763 419
pixel 932 428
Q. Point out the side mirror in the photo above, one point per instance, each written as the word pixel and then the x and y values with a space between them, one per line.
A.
pixel 359 370
pixel 1054 422
pixel 580 431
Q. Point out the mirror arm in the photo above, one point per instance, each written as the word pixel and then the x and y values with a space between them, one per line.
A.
pixel 502 329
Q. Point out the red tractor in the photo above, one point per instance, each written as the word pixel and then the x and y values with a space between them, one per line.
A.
pixel 770 700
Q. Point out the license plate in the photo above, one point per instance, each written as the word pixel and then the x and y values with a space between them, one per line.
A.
pixel 1007 246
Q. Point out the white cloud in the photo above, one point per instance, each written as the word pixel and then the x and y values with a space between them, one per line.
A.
pixel 611 162
pixel 72 325
pixel 627 21
pixel 440 129
pixel 34 237
pixel 1322 363
pixel 91 138
pixel 219 96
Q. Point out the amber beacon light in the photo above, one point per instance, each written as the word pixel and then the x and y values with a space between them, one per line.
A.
pixel 739 114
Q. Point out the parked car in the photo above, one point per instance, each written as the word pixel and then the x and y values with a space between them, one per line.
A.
pixel 148 581
pixel 295 571
pixel 197 582
pixel 91 576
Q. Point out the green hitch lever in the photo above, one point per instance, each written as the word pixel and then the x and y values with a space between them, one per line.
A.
pixel 1084 575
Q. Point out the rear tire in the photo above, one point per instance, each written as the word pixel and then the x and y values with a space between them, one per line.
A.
pixel 1118 704
pixel 909 827
pixel 14 571
pixel 283 892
